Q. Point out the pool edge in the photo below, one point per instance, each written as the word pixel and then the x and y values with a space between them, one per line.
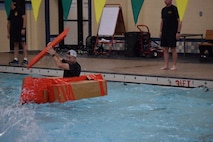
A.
pixel 118 77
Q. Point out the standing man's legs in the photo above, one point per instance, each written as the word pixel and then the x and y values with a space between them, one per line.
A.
pixel 166 58
pixel 174 58
pixel 15 54
pixel 24 46
pixel 16 50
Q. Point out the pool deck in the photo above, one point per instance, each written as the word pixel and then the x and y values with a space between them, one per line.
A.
pixel 188 67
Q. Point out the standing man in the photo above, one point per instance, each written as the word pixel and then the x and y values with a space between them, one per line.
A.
pixel 169 33
pixel 70 65
pixel 16 28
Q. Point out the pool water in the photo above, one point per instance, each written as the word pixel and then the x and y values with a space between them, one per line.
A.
pixel 129 113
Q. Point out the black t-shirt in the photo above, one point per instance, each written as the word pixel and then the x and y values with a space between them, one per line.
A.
pixel 75 69
pixel 16 20
pixel 170 22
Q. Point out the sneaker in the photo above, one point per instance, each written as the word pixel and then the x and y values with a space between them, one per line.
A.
pixel 14 62
pixel 25 62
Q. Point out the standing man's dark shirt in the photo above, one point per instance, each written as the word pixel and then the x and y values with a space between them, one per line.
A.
pixel 16 24
pixel 170 18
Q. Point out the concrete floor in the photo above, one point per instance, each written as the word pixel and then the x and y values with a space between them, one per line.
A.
pixel 187 67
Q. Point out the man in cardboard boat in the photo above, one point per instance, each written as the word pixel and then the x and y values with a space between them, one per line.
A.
pixel 70 65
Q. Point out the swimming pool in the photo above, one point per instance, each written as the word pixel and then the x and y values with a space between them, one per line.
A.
pixel 130 112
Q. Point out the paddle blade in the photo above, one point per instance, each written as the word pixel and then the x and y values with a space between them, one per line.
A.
pixel 52 44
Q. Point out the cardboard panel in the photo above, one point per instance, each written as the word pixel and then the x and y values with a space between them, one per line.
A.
pixel 77 90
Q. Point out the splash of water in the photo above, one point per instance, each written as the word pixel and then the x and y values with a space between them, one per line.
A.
pixel 2 133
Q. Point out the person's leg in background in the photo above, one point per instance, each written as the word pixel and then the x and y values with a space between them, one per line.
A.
pixel 15 53
pixel 24 46
pixel 16 50
pixel 166 58
pixel 174 58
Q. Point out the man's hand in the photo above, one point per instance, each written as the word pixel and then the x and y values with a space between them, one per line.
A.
pixel 23 31
pixel 8 36
pixel 177 36
pixel 50 50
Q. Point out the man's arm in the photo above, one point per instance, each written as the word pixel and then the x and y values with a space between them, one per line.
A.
pixel 24 21
pixel 8 29
pixel 57 59
pixel 161 27
pixel 58 62
pixel 179 26
pixel 178 29
pixel 24 24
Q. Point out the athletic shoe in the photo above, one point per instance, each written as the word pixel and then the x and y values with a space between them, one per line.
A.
pixel 14 62
pixel 25 62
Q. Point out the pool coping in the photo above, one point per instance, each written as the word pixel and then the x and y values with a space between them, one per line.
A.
pixel 118 77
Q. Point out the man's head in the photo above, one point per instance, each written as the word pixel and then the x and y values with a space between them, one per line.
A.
pixel 71 56
pixel 13 4
pixel 168 2
pixel 72 53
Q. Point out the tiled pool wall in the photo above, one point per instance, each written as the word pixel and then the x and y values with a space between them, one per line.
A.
pixel 191 46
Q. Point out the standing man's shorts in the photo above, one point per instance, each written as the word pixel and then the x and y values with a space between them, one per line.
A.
pixel 16 36
pixel 168 40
